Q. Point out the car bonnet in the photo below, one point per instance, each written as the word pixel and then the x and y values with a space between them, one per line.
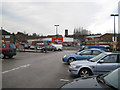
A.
pixel 83 83
pixel 81 62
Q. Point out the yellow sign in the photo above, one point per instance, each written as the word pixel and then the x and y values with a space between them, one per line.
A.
pixel 2 41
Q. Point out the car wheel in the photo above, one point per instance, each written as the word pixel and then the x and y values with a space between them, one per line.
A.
pixel 53 49
pixel 2 56
pixel 59 49
pixel 84 73
pixel 10 56
pixel 70 60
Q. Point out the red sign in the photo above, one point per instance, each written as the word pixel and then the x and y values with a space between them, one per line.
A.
pixel 57 39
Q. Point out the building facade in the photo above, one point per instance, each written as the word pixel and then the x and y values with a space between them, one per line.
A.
pixel 106 39
pixel 5 36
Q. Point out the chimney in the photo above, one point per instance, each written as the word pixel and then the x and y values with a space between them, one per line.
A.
pixel 66 32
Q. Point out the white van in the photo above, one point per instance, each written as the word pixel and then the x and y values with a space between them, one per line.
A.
pixel 58 46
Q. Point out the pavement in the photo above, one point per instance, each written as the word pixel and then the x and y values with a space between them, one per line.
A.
pixel 36 70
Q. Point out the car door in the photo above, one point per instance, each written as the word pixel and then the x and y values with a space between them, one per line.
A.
pixel 86 54
pixel 118 61
pixel 107 64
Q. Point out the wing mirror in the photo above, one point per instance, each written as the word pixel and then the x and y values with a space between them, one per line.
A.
pixel 101 61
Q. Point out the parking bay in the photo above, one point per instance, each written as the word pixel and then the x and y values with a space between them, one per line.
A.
pixel 35 70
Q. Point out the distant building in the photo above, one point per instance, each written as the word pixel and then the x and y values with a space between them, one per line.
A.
pixel 106 39
pixel 45 40
pixel 67 41
pixel 21 37
pixel 66 32
pixel 6 36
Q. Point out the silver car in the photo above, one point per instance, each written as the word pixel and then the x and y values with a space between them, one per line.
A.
pixel 101 64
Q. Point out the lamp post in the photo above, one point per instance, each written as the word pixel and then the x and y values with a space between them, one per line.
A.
pixel 56 32
pixel 114 23
pixel 115 41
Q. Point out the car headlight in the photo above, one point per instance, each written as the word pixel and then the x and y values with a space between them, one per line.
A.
pixel 65 56
pixel 74 66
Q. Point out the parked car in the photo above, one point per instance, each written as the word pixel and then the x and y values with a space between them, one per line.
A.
pixel 32 47
pixel 85 54
pixel 39 47
pixel 27 46
pixel 50 48
pixel 58 46
pixel 7 49
pixel 105 48
pixel 109 81
pixel 101 64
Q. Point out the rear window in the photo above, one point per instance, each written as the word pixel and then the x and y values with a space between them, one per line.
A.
pixel 95 52
pixel 12 46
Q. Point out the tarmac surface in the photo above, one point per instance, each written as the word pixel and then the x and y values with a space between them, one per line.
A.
pixel 36 70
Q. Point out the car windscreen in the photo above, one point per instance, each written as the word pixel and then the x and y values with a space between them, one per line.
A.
pixel 80 52
pixel 94 59
pixel 12 46
pixel 113 78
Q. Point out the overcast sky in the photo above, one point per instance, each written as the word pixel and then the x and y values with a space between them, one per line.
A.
pixel 40 16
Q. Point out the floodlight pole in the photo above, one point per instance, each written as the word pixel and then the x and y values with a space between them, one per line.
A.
pixel 114 23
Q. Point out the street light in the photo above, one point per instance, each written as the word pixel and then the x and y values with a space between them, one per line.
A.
pixel 56 31
pixel 114 42
pixel 114 23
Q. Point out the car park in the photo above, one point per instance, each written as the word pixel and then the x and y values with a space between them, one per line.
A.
pixel 109 81
pixel 7 50
pixel 85 54
pixel 101 64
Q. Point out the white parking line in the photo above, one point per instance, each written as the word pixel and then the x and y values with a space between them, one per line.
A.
pixel 24 66
pixel 64 80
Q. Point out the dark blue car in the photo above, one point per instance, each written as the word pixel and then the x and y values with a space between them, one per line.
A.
pixel 98 47
pixel 83 55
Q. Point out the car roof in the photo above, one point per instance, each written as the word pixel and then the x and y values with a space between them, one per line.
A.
pixel 111 53
pixel 93 49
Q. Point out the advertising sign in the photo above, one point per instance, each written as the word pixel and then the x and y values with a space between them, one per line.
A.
pixel 57 40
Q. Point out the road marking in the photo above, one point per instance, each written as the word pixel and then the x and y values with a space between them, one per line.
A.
pixel 64 80
pixel 24 66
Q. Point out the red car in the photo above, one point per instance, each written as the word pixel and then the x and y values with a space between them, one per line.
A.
pixel 7 49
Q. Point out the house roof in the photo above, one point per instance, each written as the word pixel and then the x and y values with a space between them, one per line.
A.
pixel 94 36
pixel 4 32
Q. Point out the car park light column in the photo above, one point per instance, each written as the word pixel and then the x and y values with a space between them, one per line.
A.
pixel 114 27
